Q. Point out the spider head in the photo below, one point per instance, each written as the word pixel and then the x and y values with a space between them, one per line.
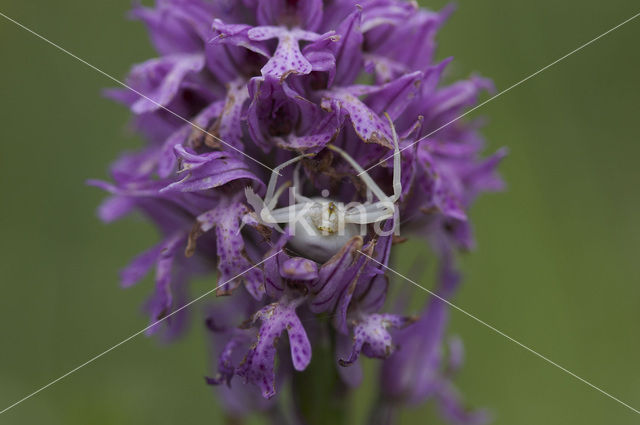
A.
pixel 325 217
pixel 321 231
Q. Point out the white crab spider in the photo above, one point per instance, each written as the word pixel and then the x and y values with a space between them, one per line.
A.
pixel 321 226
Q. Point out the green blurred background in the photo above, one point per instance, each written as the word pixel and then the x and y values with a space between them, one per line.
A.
pixel 556 265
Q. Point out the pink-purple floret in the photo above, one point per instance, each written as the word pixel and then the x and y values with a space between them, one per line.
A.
pixel 273 79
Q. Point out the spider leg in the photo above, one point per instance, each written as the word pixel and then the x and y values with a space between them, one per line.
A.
pixel 284 214
pixel 296 185
pixel 296 175
pixel 369 199
pixel 274 176
pixel 366 178
pixel 397 165
pixel 370 213
pixel 272 203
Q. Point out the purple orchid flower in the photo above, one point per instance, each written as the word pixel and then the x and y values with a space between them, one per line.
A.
pixel 331 88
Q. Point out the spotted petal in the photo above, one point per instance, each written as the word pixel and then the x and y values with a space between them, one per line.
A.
pixel 287 59
pixel 234 264
pixel 258 365
pixel 369 127
pixel 371 336
pixel 161 301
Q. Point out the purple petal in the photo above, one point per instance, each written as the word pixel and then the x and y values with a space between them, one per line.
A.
pixel 348 50
pixel 160 79
pixel 298 268
pixel 324 131
pixel 320 54
pixel 449 102
pixel 226 366
pixel 413 372
pixel 140 266
pixel 336 275
pixel 352 376
pixel 395 97
pixel 232 257
pixel 161 301
pixel 456 354
pixel 172 29
pixel 378 13
pixel 237 35
pixel 230 125
pixel 370 127
pixel 274 112
pixel 115 207
pixel 274 284
pixel 452 409
pixel 287 59
pixel 371 336
pixel 258 365
pixel 167 161
pixel 208 171
pixel 412 43
pixel 305 14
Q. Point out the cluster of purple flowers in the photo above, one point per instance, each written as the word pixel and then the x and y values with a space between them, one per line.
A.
pixel 270 80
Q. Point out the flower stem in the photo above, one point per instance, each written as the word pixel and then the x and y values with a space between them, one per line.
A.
pixel 319 394
pixel 383 412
